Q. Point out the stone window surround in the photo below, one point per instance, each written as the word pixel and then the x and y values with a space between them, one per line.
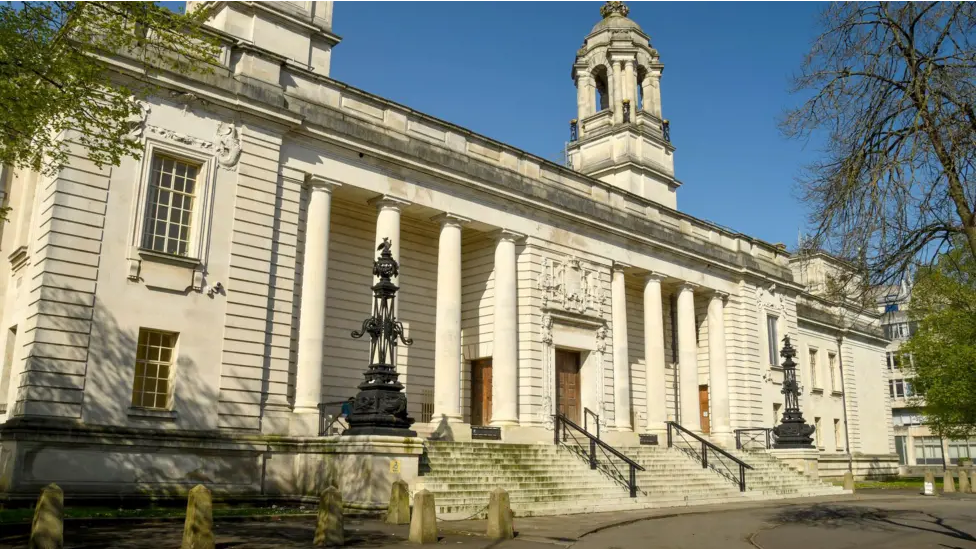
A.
pixel 203 203
pixel 813 354
pixel 169 413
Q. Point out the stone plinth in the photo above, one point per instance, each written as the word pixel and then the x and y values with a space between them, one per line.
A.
pixel 801 459
pixel 398 511
pixel 500 516
pixel 198 527
pixel 423 524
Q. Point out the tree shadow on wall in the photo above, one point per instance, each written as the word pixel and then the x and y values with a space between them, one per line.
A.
pixel 832 516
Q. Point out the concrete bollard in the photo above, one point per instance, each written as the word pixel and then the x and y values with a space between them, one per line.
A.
pixel 423 523
pixel 928 486
pixel 398 512
pixel 964 487
pixel 500 516
pixel 198 528
pixel 948 483
pixel 47 529
pixel 849 481
pixel 329 529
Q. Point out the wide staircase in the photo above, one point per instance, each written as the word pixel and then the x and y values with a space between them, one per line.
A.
pixel 549 479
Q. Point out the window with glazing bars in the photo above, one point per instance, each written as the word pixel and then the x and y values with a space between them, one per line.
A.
pixel 169 213
pixel 154 369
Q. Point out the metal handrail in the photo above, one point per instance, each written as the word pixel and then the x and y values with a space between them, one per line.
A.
pixel 325 417
pixel 705 446
pixel 738 436
pixel 586 427
pixel 594 442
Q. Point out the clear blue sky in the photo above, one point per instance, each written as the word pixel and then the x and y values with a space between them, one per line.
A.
pixel 503 69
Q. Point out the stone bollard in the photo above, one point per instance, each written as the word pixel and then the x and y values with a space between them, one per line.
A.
pixel 964 487
pixel 500 516
pixel 198 528
pixel 398 512
pixel 329 529
pixel 849 481
pixel 928 486
pixel 47 529
pixel 948 483
pixel 423 523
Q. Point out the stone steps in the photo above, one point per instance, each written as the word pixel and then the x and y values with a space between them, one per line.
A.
pixel 543 479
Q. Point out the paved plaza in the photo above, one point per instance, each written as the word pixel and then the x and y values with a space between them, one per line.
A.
pixel 889 520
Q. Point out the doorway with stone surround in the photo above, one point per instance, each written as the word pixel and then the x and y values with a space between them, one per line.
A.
pixel 568 393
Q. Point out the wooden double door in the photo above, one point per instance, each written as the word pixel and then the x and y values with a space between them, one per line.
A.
pixel 481 391
pixel 568 402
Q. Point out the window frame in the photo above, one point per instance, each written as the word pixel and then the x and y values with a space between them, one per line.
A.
pixel 170 378
pixel 772 321
pixel 834 372
pixel 838 443
pixel 201 214
pixel 818 433
pixel 813 354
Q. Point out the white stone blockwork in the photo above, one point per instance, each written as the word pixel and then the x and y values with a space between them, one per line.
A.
pixel 609 304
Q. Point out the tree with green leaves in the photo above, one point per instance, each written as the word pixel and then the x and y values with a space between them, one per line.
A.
pixel 943 348
pixel 55 81
pixel 890 88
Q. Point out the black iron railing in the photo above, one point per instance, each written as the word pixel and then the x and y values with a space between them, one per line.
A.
pixel 566 427
pixel 709 455
pixel 332 419
pixel 753 437
pixel 596 419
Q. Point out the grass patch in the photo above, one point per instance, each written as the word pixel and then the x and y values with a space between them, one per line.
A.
pixel 26 514
pixel 910 483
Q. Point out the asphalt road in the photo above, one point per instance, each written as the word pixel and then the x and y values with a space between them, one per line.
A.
pixel 912 522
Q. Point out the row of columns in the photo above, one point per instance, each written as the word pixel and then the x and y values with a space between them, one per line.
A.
pixel 654 359
pixel 447 351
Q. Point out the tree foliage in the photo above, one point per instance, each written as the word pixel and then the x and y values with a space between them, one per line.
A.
pixel 53 77
pixel 943 348
pixel 891 88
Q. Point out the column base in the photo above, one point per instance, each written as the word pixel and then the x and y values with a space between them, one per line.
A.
pixel 305 422
pixel 725 439
pixel 275 418
pixel 449 428
pixel 802 459
pixel 503 423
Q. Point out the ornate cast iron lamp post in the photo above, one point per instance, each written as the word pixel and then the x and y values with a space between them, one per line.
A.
pixel 380 408
pixel 793 431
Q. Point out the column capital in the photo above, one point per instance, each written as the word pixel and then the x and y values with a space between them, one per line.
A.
pixel 321 183
pixel 507 235
pixel 450 219
pixel 619 267
pixel 719 294
pixel 388 202
pixel 654 276
pixel 688 286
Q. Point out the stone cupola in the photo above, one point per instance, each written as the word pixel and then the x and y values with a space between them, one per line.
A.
pixel 620 136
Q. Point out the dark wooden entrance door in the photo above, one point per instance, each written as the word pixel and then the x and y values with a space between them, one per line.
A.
pixel 568 384
pixel 703 406
pixel 481 391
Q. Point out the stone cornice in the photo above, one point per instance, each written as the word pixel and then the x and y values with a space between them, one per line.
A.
pixel 512 177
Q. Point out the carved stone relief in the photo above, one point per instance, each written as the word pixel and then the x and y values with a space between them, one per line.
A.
pixel 571 286
pixel 227 143
pixel 769 299
pixel 170 135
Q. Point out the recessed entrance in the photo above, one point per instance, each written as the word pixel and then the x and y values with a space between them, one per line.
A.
pixel 703 406
pixel 481 391
pixel 568 384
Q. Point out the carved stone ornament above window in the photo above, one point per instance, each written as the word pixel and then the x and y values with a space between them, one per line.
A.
pixel 571 286
pixel 768 299
pixel 175 137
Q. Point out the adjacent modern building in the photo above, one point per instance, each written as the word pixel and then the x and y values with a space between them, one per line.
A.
pixel 916 444
pixel 185 316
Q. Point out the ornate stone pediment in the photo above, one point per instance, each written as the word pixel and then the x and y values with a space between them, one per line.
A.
pixel 572 286
pixel 769 299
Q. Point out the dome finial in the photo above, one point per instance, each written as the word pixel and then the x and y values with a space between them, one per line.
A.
pixel 614 9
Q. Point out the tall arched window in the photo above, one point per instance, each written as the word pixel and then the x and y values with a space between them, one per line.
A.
pixel 602 89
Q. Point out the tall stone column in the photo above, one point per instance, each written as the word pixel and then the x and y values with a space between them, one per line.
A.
pixel 646 93
pixel 630 88
pixel 718 373
pixel 688 359
pixel 447 331
pixel 388 223
pixel 504 357
pixel 618 95
pixel 655 89
pixel 311 331
pixel 657 407
pixel 581 97
pixel 621 353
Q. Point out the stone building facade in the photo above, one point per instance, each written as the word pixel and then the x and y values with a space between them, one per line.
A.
pixel 186 315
